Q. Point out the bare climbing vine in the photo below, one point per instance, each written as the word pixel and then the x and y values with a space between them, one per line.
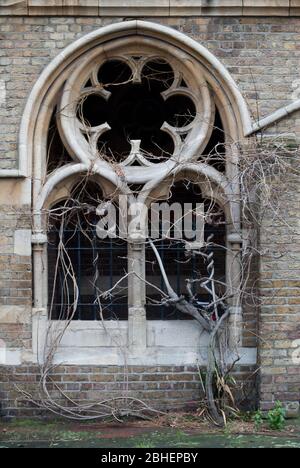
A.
pixel 262 170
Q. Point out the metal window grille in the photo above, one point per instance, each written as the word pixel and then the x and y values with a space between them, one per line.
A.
pixel 97 265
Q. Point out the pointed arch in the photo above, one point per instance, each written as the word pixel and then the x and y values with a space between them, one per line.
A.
pixel 232 104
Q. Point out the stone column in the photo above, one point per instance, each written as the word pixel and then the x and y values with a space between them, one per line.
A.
pixel 137 324
pixel 40 294
pixel 39 248
pixel 234 243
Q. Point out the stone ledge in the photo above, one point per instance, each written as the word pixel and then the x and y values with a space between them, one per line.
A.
pixel 138 8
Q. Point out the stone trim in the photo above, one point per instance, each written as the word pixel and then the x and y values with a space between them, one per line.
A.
pixel 278 115
pixel 138 8
pixel 94 346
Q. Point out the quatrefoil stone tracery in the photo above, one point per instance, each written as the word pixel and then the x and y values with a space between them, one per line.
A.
pixel 189 140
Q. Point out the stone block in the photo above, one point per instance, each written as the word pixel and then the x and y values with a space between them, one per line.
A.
pixel 185 7
pixel 63 7
pixel 14 314
pixel 269 8
pixel 22 242
pixel 292 409
pixel 134 8
pixel 222 7
pixel 13 7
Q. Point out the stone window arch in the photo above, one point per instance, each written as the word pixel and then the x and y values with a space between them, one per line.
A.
pixel 176 80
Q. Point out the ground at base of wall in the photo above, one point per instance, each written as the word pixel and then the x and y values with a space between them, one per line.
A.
pixel 181 431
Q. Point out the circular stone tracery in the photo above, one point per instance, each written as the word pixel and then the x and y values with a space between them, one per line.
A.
pixel 136 109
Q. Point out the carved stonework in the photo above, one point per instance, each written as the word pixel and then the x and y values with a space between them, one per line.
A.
pixel 177 89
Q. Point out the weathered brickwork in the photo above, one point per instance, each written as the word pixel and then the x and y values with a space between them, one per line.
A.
pixel 16 279
pixel 263 56
pixel 280 297
pixel 168 388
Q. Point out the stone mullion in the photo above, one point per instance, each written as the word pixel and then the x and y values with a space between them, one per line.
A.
pixel 234 249
pixel 137 325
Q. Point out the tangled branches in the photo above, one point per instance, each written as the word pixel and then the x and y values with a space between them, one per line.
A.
pixel 95 278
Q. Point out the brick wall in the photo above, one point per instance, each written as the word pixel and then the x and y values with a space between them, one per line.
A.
pixel 167 388
pixel 15 279
pixel 280 296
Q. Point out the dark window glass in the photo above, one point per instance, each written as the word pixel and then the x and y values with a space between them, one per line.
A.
pixel 181 264
pixel 81 266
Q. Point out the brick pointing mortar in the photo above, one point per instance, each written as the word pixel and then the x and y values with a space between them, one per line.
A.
pixel 162 387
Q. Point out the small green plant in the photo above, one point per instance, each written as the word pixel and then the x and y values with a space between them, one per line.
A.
pixel 258 420
pixel 276 417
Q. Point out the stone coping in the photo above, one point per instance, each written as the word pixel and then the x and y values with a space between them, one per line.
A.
pixel 138 8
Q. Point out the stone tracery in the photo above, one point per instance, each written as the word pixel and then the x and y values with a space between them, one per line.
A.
pixel 133 95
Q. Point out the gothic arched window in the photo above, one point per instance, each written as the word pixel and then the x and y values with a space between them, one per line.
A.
pixel 136 112
pixel 136 115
